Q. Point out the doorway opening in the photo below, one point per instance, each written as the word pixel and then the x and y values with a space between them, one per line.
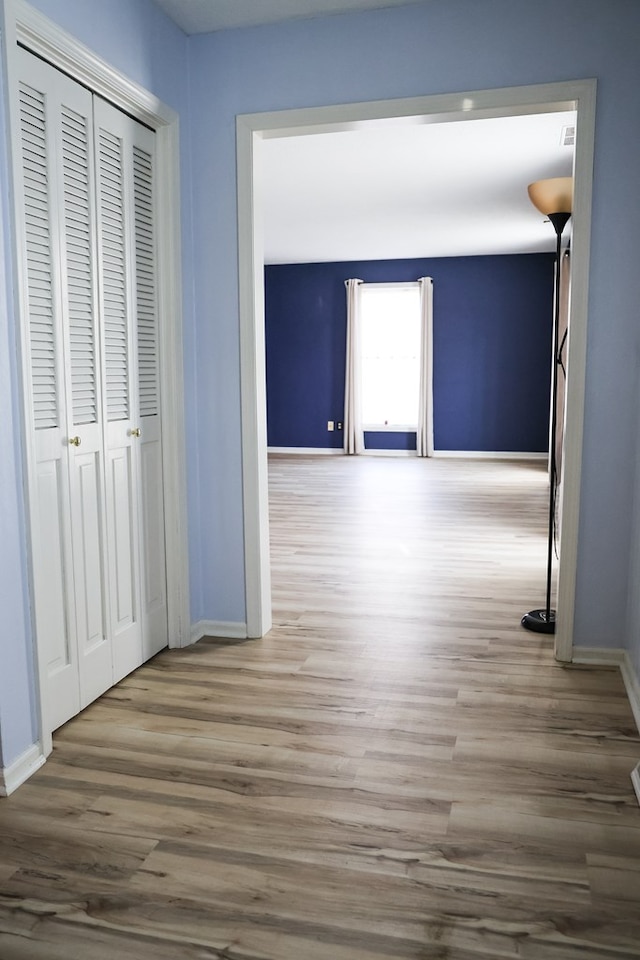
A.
pixel 251 131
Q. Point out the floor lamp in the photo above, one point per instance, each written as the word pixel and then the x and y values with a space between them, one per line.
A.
pixel 553 198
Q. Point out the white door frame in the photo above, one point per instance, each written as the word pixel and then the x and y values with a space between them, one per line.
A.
pixel 28 27
pixel 510 101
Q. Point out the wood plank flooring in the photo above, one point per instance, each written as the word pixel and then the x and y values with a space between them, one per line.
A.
pixel 397 772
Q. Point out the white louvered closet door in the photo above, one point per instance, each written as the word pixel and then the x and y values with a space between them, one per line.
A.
pixel 152 524
pixel 69 542
pixel 126 244
pixel 92 368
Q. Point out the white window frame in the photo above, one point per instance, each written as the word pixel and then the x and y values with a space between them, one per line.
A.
pixel 391 428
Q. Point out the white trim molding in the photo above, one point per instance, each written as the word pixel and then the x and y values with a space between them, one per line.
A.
pixel 49 41
pixel 375 452
pixel 251 129
pixel 635 780
pixel 487 455
pixel 614 657
pixel 226 630
pixel 20 770
pixel 632 684
pixel 437 454
pixel 599 656
pixel 617 657
pixel 309 451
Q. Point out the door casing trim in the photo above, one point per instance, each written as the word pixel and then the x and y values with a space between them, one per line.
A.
pixel 251 130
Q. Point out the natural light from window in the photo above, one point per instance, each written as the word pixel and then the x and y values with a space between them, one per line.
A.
pixel 390 351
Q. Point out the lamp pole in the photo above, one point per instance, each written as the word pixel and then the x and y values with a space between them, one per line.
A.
pixel 544 620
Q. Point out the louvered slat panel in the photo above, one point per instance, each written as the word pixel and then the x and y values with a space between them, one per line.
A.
pixel 113 254
pixel 145 283
pixel 77 185
pixel 33 131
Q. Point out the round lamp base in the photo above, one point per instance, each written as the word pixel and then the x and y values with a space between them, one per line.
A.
pixel 539 622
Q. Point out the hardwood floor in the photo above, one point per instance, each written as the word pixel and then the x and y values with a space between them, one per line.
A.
pixel 397 771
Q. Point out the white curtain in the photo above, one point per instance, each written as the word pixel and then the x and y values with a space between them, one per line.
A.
pixel 424 435
pixel 353 432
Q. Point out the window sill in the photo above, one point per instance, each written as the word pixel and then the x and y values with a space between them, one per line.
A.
pixel 389 428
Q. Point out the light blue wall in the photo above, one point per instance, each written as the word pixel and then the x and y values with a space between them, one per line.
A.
pixel 439 46
pixel 135 37
pixel 633 602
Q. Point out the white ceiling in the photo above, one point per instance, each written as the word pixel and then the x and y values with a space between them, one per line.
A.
pixel 411 189
pixel 401 189
pixel 206 16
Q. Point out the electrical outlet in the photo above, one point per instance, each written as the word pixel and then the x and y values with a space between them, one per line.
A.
pixel 330 425
pixel 339 425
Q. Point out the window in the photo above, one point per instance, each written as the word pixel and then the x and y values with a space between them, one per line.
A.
pixel 390 351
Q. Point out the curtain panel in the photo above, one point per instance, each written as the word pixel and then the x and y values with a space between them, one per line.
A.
pixel 424 433
pixel 353 432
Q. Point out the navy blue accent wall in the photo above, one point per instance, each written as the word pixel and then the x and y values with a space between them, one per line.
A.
pixel 491 350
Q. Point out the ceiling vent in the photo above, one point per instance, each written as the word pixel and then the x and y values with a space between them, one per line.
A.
pixel 568 137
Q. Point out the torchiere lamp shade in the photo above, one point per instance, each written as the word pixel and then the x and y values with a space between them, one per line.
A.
pixel 552 196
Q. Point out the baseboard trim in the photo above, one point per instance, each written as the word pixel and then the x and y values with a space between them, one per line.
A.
pixel 487 455
pixel 599 656
pixel 20 770
pixel 388 453
pixel 632 683
pixel 617 657
pixel 228 630
pixel 309 451
pixel 635 780
pixel 437 454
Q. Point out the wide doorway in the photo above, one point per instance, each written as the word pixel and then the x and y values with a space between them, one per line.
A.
pixel 252 129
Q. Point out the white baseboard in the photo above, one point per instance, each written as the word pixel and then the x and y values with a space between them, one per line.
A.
pixel 635 780
pixel 632 683
pixel 599 656
pixel 488 455
pixel 614 657
pixel 228 630
pixel 309 451
pixel 373 452
pixel 438 454
pixel 617 657
pixel 337 452
pixel 16 773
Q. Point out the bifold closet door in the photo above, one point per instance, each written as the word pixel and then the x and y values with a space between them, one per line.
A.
pixel 89 291
pixel 69 546
pixel 127 281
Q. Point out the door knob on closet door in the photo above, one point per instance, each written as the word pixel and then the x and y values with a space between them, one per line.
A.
pixel 75 441
pixel 135 431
